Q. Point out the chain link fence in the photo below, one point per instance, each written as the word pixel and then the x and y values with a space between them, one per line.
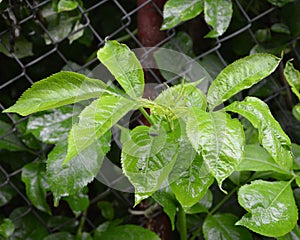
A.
pixel 33 46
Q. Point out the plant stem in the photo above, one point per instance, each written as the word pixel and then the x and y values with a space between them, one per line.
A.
pixel 182 224
pixel 146 115
pixel 127 36
pixel 223 200
pixel 81 223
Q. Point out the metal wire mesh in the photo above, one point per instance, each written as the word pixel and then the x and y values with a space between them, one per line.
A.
pixel 52 57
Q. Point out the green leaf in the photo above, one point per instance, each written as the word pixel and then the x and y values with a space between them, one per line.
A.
pixel 7 228
pixel 35 179
pixel 52 125
pixel 292 76
pixel 179 98
pixel 166 198
pixel 218 15
pixel 271 135
pixel 57 90
pixel 125 66
pixel 280 3
pixel 126 232
pixel 176 11
pixel 193 183
pixel 95 120
pixel 66 5
pixel 60 236
pixel 21 49
pixel 147 159
pixel 281 28
pixel 292 235
pixel 218 138
pixel 70 178
pixel 78 202
pixel 9 140
pixel 107 209
pixel 221 226
pixel 271 207
pixel 296 111
pixel 240 75
pixel 203 205
pixel 256 158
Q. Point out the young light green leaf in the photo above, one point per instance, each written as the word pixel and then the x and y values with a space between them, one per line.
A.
pixel 66 5
pixel 193 183
pixel 179 98
pixel 148 159
pixel 218 138
pixel 271 135
pixel 221 226
pixel 240 75
pixel 256 158
pixel 218 15
pixel 292 76
pixel 95 120
pixel 166 198
pixel 125 66
pixel 53 125
pixel 7 228
pixel 271 207
pixel 57 90
pixel 35 179
pixel 70 178
pixel 127 232
pixel 176 11
pixel 9 140
pixel 296 111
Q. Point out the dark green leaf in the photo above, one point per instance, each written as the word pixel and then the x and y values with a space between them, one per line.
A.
pixel 57 90
pixel 125 66
pixel 60 236
pixel 35 179
pixel 7 228
pixel 292 76
pixel 292 235
pixel 78 203
pixel 280 28
pixel 22 47
pixel 256 158
pixel 193 183
pixel 271 135
pixel 176 11
pixel 271 207
pixel 70 178
pixel 53 125
pixel 217 13
pixel 291 16
pixel 131 232
pixel 203 205
pixel 66 5
pixel 107 209
pixel 106 226
pixel 147 160
pixel 6 193
pixel 95 120
pixel 166 198
pixel 218 138
pixel 222 226
pixel 8 139
pixel 280 3
pixel 239 177
pixel 240 75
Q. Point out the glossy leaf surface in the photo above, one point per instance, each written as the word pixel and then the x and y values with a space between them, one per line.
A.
pixel 193 183
pixel 127 232
pixel 35 179
pixel 271 207
pixel 176 11
pixel 292 75
pixel 125 66
pixel 240 75
pixel 256 158
pixel 271 135
pixel 95 120
pixel 57 90
pixel 222 226
pixel 280 3
pixel 7 228
pixel 148 160
pixel 70 178
pixel 218 138
pixel 66 5
pixel 217 13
